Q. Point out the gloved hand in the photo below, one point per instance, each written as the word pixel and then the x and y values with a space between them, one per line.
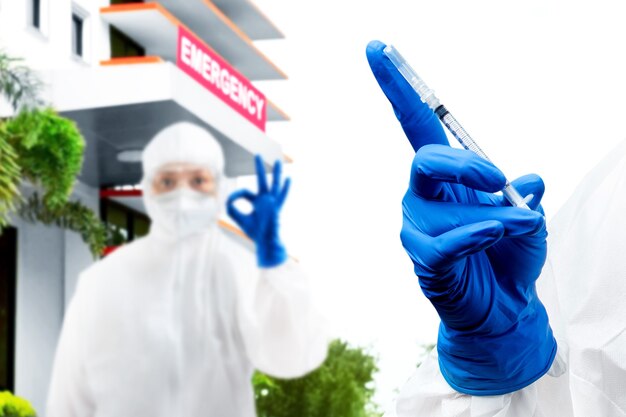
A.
pixel 261 225
pixel 477 258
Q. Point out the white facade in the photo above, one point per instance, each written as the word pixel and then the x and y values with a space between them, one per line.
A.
pixel 49 259
pixel 50 46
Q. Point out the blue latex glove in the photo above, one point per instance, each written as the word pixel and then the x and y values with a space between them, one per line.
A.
pixel 261 225
pixel 477 258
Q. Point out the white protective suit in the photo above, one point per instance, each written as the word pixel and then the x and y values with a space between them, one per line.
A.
pixel 171 325
pixel 583 286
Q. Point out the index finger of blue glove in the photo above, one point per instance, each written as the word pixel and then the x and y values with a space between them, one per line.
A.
pixel 434 164
pixel 245 194
pixel 260 173
pixel 433 255
pixel 464 241
pixel 241 219
pixel 419 122
pixel 435 218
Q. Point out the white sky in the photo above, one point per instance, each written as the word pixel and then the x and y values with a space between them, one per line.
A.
pixel 539 84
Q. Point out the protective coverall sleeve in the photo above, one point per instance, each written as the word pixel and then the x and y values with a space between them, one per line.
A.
pixel 284 332
pixel 69 395
pixel 428 394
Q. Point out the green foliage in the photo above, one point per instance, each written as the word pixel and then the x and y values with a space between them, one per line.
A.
pixel 9 180
pixel 14 406
pixel 73 215
pixel 46 149
pixel 49 151
pixel 341 387
pixel 18 84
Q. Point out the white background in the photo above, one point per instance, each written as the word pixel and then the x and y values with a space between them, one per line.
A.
pixel 538 84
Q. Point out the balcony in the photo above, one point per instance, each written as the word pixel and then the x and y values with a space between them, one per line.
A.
pixel 121 107
pixel 156 29
pixel 155 25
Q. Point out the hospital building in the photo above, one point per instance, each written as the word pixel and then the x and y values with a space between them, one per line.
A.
pixel 122 70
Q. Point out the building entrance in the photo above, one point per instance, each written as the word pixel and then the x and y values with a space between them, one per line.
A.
pixel 8 270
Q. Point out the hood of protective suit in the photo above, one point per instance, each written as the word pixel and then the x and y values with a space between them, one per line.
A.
pixel 182 212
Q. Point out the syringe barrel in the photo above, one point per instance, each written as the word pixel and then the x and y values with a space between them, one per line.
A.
pixel 458 132
pixel 515 198
pixel 428 96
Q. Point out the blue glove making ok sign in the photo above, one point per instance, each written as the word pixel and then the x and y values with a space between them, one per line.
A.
pixel 261 225
pixel 477 258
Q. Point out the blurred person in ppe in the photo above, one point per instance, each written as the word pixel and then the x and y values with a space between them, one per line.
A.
pixel 482 264
pixel 174 323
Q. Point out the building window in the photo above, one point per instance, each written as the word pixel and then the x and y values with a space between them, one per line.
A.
pixel 81 34
pixel 8 280
pixel 123 46
pixel 35 13
pixel 127 223
pixel 77 35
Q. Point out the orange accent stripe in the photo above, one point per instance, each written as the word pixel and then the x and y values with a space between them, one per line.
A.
pixel 233 229
pixel 278 109
pixel 129 7
pixel 242 35
pixel 132 60
pixel 267 19
pixel 287 158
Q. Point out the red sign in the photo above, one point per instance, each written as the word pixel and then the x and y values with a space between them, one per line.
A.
pixel 217 76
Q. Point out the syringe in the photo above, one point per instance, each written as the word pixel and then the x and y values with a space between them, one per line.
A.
pixel 428 96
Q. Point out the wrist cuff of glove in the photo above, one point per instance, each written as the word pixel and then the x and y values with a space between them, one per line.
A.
pixel 496 364
pixel 271 255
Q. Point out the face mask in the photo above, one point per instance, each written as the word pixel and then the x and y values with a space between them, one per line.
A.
pixel 182 212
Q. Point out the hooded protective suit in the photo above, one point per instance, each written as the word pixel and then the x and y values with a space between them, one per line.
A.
pixel 174 323
pixel 583 285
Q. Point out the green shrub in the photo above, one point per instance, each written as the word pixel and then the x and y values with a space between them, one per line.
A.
pixel 341 387
pixel 14 406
